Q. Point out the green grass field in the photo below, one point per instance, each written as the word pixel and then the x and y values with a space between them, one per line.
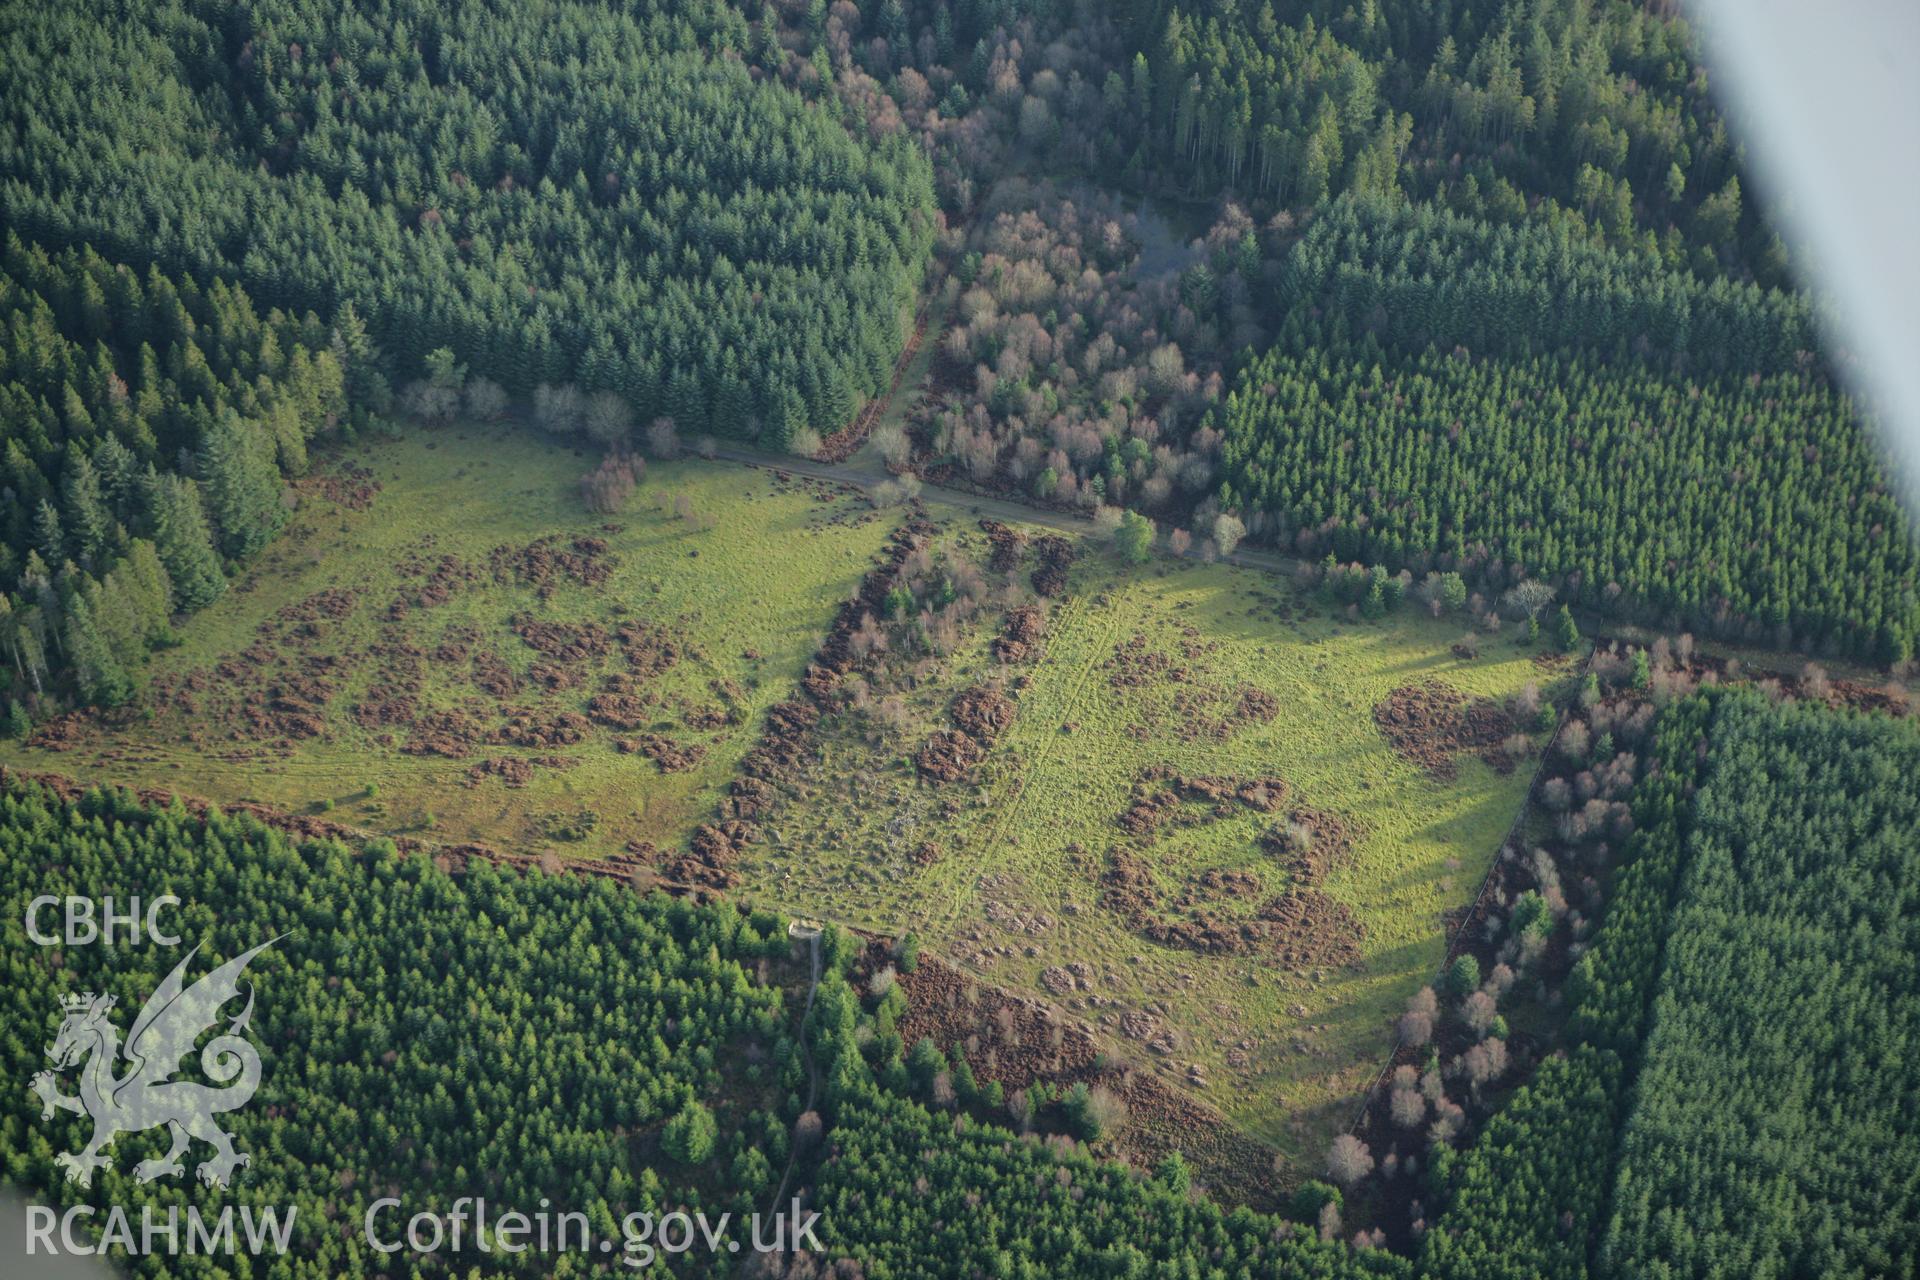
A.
pixel 742 572
pixel 758 569
pixel 1016 887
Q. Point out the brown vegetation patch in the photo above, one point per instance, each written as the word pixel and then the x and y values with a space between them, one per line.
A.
pixel 1021 635
pixel 1008 545
pixel 562 641
pixel 650 648
pixel 948 756
pixel 1310 930
pixel 1017 1042
pixel 62 733
pixel 385 710
pixel 555 676
pixel 548 563
pixel 491 675
pixel 1312 843
pixel 707 719
pixel 333 603
pixel 838 653
pixel 711 852
pixel 455 647
pixel 982 712
pixel 452 734
pixel 1429 724
pixel 1256 706
pixel 1303 928
pixel 282 714
pixel 1160 792
pixel 1009 1038
pixel 1864 697
pixel 438 581
pixel 1129 875
pixel 1135 664
pixel 786 736
pixel 531 729
pixel 352 486
pixel 620 710
pixel 748 798
pixel 671 756
pixel 1053 555
pixel 512 770
pixel 1144 816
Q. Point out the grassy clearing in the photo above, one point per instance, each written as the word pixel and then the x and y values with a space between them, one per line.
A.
pixel 1016 887
pixel 745 586
pixel 747 583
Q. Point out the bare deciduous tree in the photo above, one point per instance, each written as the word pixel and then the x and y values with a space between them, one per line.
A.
pixel 1227 533
pixel 892 444
pixel 608 486
pixel 486 400
pixel 663 438
pixel 558 409
pixel 430 401
pixel 1348 1160
pixel 892 493
pixel 1478 1011
pixel 1526 599
pixel 608 418
pixel 1485 1062
pixel 805 443
pixel 1814 682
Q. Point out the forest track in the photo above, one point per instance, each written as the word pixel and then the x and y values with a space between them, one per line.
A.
pixel 851 438
pixel 1050 736
pixel 868 475
pixel 811 932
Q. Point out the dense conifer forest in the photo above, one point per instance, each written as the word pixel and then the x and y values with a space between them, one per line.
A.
pixel 1593 114
pixel 491 1032
pixel 539 1037
pixel 1749 508
pixel 1738 1095
pixel 149 422
pixel 567 192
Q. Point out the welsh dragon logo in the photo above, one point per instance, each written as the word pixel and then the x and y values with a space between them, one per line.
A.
pixel 146 1096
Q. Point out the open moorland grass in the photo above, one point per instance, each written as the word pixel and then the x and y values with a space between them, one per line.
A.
pixel 1119 844
pixel 435 644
